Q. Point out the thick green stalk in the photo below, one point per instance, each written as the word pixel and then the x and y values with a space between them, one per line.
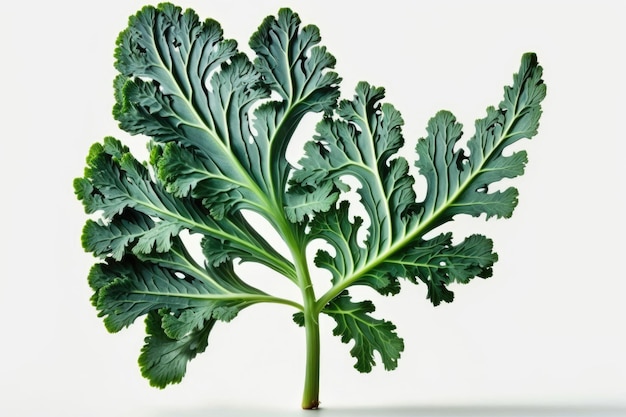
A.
pixel 297 247
pixel 310 396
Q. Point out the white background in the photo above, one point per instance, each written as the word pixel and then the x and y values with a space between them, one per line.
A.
pixel 547 330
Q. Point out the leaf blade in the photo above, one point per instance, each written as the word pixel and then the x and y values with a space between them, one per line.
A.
pixel 456 183
pixel 368 334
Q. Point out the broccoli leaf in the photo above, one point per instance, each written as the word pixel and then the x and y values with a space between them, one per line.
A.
pixel 219 125
pixel 181 82
pixel 129 289
pixel 115 182
pixel 364 144
pixel 186 86
pixel 458 184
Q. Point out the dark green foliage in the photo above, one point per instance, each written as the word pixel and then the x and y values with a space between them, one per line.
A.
pixel 219 125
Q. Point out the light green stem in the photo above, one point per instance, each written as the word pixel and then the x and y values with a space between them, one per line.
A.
pixel 297 247
pixel 310 396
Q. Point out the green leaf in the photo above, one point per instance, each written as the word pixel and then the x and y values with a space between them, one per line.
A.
pixel 364 143
pixel 458 184
pixel 115 182
pixel 130 289
pixel 168 64
pixel 368 334
pixel 220 125
pixel 451 187
pixel 186 86
pixel 298 69
pixel 163 359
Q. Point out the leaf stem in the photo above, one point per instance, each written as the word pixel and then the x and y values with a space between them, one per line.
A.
pixel 310 396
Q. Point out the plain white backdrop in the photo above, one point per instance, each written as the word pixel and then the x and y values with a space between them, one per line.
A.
pixel 548 330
